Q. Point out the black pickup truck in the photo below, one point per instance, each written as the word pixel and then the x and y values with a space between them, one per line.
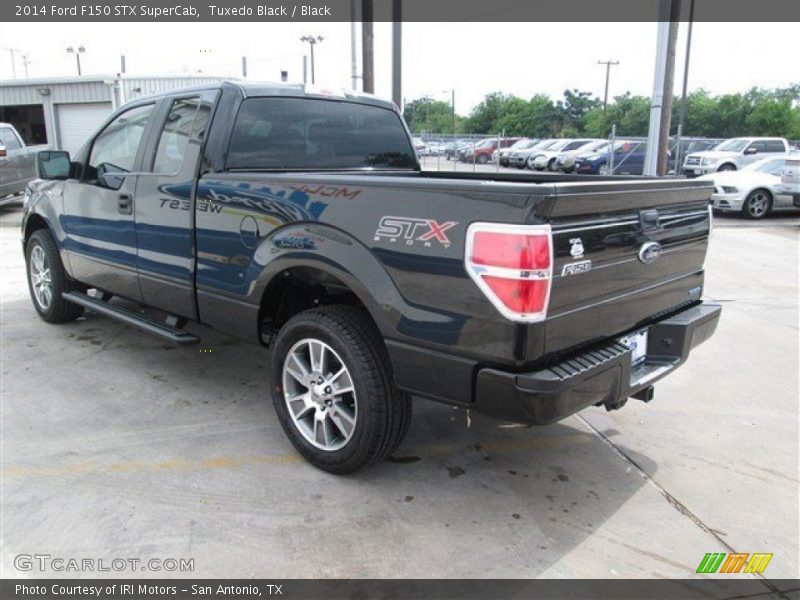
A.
pixel 301 220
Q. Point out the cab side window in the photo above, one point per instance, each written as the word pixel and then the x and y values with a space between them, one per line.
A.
pixel 176 134
pixel 775 146
pixel 9 139
pixel 759 147
pixel 114 150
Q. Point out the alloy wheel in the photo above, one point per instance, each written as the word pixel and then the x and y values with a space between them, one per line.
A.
pixel 320 394
pixel 41 278
pixel 757 205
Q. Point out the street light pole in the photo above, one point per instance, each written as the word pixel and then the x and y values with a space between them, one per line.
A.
pixel 312 41
pixel 77 51
pixel 608 64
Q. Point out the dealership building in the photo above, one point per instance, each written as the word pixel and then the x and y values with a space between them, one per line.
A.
pixel 63 112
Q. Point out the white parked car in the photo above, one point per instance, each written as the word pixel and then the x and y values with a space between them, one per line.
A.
pixel 733 154
pixel 546 159
pixel 756 190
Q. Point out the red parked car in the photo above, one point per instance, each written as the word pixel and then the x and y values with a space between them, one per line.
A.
pixel 482 151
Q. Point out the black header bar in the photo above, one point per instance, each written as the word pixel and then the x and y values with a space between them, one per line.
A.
pixel 412 10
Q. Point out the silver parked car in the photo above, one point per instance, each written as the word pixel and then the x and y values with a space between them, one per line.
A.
pixel 17 161
pixel 733 154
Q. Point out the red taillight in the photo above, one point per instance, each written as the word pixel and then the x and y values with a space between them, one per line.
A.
pixel 512 265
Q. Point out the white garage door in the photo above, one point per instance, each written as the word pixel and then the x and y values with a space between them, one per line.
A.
pixel 76 122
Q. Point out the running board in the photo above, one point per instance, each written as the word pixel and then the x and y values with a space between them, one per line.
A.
pixel 173 334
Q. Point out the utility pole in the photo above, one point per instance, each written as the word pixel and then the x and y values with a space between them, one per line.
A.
pixel 26 60
pixel 397 51
pixel 367 66
pixel 669 80
pixel 312 41
pixel 122 65
pixel 608 64
pixel 661 101
pixel 353 58
pixel 244 67
pixel 686 67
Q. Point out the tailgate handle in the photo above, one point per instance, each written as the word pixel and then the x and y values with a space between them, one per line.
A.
pixel 649 220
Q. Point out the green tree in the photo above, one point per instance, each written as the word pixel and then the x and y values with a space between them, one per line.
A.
pixel 631 114
pixel 772 116
pixel 484 117
pixel 573 108
pixel 433 116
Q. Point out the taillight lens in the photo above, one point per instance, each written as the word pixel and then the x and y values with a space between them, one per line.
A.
pixel 512 265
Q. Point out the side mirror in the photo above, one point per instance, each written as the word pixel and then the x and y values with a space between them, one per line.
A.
pixel 751 150
pixel 52 164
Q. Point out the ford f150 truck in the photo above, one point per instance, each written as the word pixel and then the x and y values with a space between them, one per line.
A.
pixel 301 220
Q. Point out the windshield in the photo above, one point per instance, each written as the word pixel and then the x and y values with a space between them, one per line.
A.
pixel 773 166
pixel 732 146
pixel 522 144
pixel 484 143
pixel 557 145
pixel 312 134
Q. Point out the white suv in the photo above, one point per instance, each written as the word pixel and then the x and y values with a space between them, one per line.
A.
pixel 733 154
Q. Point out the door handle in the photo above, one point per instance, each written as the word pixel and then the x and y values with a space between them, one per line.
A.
pixel 125 204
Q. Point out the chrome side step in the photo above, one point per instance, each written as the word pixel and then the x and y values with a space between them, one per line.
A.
pixel 166 331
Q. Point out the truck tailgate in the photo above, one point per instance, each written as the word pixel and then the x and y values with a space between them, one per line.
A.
pixel 623 255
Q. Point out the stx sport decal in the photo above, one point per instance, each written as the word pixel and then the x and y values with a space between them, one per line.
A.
pixel 411 231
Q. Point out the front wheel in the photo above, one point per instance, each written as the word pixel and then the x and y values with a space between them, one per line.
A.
pixel 757 204
pixel 47 280
pixel 333 389
pixel 482 159
pixel 727 167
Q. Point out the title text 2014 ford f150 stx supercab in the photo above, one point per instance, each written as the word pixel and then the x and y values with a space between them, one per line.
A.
pixel 302 221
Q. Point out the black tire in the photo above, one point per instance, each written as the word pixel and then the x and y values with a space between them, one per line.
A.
pixel 383 412
pixel 551 166
pixel 758 204
pixel 726 167
pixel 482 159
pixel 57 310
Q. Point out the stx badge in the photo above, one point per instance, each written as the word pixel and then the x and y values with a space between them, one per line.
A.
pixel 410 231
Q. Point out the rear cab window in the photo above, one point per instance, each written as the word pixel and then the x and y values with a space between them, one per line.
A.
pixel 309 134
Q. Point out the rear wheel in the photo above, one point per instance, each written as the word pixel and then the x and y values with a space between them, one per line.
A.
pixel 482 159
pixel 333 389
pixel 757 204
pixel 727 167
pixel 47 280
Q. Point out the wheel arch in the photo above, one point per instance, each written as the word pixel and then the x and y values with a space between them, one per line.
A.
pixel 306 265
